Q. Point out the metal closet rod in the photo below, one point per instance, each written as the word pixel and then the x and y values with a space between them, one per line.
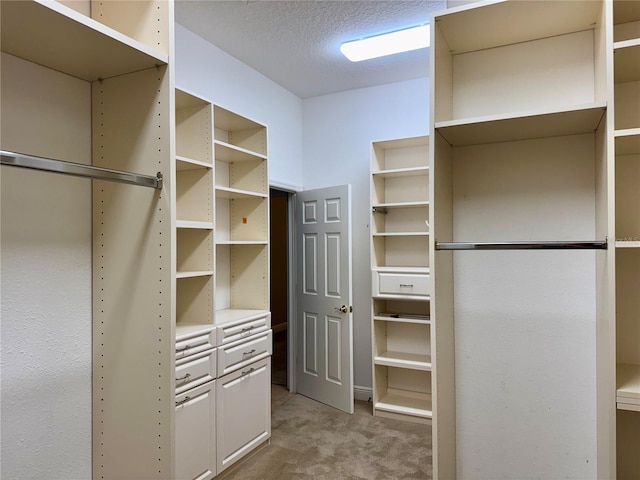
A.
pixel 79 170
pixel 588 245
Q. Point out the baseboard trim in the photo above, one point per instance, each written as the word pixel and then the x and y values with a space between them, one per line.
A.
pixel 362 393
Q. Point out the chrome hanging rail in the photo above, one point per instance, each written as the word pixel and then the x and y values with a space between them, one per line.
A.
pixel 79 170
pixel 597 245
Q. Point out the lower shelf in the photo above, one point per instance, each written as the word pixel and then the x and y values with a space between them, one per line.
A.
pixel 404 360
pixel 628 387
pixel 404 403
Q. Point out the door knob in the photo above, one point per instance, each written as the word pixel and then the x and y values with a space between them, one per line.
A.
pixel 344 309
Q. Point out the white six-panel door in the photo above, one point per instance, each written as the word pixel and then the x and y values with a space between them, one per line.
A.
pixel 324 322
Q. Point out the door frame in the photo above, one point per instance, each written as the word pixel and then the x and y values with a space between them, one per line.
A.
pixel 291 275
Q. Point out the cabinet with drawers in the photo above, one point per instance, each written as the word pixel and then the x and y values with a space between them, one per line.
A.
pixel 401 281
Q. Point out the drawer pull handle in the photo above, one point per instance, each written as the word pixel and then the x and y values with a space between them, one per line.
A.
pixel 186 399
pixel 248 372
pixel 247 329
pixel 186 377
pixel 182 349
pixel 249 353
pixel 407 285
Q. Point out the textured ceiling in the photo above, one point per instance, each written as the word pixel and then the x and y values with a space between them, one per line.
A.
pixel 296 43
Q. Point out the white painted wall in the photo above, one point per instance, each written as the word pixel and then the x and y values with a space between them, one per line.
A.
pixel 45 249
pixel 337 133
pixel 207 71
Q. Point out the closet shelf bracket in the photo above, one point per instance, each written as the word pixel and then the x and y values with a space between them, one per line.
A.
pixel 588 245
pixel 79 170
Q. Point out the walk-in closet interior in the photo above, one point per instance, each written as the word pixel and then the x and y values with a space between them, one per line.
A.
pixel 493 219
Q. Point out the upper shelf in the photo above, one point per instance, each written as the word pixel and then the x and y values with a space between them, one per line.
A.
pixel 523 126
pixel 58 37
pixel 401 172
pixel 627 61
pixel 470 28
pixel 627 141
pixel 225 152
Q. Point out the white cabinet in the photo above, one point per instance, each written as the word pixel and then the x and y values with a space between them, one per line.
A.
pixel 244 411
pixel 195 433
pixel 401 282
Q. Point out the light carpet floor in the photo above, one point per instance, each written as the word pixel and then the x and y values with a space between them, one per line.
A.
pixel 313 441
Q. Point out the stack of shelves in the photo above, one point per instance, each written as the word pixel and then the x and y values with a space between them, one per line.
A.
pixel 196 356
pixel 194 212
pixel 401 283
pixel 242 217
pixel 519 154
pixel 626 75
pixel 242 317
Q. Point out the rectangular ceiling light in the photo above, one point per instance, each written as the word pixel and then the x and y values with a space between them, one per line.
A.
pixel 387 43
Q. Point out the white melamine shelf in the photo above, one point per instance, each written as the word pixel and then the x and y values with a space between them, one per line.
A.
pixel 401 205
pixel 403 360
pixel 628 244
pixel 56 36
pixel 402 269
pixel 522 125
pixel 231 193
pixel 401 172
pixel 626 64
pixel 195 273
pixel 241 242
pixel 226 152
pixel 628 387
pixel 194 225
pixel 401 234
pixel 234 315
pixel 396 402
pixel 188 330
pixel 399 318
pixel 469 28
pixel 627 141
pixel 184 163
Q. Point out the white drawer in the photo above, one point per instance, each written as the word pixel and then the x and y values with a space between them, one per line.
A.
pixel 239 354
pixel 401 284
pixel 198 343
pixel 195 370
pixel 238 330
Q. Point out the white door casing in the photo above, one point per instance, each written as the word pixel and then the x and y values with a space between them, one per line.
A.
pixel 324 319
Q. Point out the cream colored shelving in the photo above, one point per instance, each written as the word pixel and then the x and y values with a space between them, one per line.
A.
pixel 518 153
pixel 626 98
pixel 242 217
pixel 401 329
pixel 195 208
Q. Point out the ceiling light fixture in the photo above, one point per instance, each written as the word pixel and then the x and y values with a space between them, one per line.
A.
pixel 387 44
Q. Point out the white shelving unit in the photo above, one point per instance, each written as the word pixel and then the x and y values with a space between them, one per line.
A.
pixel 242 216
pixel 519 154
pixel 242 312
pixel 626 97
pixel 401 284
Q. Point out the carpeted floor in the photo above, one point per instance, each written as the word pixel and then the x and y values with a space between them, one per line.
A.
pixel 312 441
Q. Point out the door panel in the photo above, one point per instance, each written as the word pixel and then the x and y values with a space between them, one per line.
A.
pixel 324 327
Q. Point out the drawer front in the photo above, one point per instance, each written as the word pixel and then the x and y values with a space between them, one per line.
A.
pixel 236 355
pixel 410 284
pixel 233 332
pixel 195 370
pixel 196 344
